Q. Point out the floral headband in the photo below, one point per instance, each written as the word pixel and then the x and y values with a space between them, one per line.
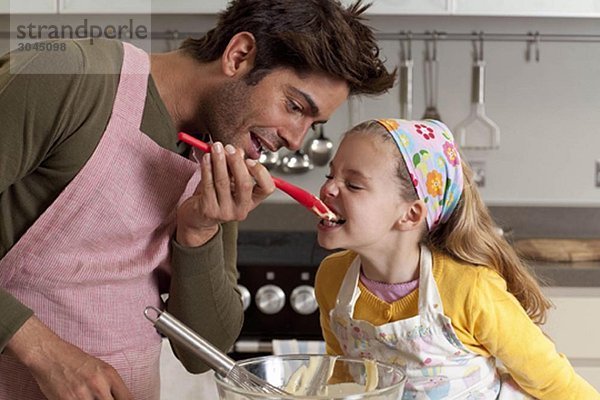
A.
pixel 433 162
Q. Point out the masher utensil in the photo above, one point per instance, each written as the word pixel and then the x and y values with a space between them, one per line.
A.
pixel 478 124
pixel 218 361
pixel 308 200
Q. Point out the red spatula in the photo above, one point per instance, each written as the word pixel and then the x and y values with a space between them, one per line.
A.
pixel 308 200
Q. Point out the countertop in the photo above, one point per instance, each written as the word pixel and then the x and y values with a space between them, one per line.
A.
pixel 567 274
pixel 300 249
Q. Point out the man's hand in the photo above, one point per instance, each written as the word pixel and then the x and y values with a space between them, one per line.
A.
pixel 230 188
pixel 63 371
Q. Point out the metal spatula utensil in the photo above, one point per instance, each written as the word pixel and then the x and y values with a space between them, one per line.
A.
pixel 218 361
pixel 478 131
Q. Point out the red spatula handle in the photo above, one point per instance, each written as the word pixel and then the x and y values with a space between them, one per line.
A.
pixel 303 197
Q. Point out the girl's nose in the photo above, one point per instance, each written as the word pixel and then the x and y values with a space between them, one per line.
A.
pixel 329 189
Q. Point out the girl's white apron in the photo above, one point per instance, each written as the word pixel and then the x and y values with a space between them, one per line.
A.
pixel 91 263
pixel 437 364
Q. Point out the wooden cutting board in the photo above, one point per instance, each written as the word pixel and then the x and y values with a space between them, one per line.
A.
pixel 565 250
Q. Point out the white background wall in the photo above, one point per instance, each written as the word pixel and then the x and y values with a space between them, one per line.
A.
pixel 548 111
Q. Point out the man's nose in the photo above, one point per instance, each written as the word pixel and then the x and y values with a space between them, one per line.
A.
pixel 294 137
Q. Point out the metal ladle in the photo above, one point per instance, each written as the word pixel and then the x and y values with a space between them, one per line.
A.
pixel 296 162
pixel 319 148
pixel 270 159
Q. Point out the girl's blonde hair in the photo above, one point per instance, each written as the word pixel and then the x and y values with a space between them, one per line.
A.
pixel 471 235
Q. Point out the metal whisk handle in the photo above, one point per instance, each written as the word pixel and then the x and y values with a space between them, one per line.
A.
pixel 175 330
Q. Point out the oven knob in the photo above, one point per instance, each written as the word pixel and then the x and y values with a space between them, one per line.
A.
pixel 270 299
pixel 303 300
pixel 245 295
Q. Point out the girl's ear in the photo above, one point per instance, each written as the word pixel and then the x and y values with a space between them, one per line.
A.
pixel 413 217
pixel 238 57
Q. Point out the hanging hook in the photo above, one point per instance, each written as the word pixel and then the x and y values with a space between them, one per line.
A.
pixel 409 45
pixel 435 38
pixel 480 46
pixel 534 39
pixel 537 46
pixel 478 50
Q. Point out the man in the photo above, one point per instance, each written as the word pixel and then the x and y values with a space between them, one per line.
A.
pixel 100 215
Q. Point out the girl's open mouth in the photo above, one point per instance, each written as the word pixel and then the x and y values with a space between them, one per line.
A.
pixel 328 223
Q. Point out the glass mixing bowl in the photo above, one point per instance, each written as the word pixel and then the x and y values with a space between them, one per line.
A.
pixel 277 371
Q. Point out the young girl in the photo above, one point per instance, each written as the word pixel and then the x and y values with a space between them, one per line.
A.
pixel 426 282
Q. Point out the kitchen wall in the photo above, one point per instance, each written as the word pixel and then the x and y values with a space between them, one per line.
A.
pixel 548 111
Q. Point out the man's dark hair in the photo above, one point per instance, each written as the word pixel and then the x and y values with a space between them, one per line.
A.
pixel 305 35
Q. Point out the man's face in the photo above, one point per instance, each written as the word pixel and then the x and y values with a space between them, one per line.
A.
pixel 276 112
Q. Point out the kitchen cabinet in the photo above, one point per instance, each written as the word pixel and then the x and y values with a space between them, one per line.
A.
pixel 104 7
pixel 534 8
pixel 28 7
pixel 142 6
pixel 407 7
pixel 573 326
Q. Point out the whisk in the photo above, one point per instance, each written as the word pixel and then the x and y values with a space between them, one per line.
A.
pixel 175 330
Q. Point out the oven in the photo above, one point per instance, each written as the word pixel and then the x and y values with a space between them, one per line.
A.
pixel 276 279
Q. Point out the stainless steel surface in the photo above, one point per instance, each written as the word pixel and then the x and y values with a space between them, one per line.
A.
pixel 270 159
pixel 477 130
pixel 177 331
pixel 431 75
pixel 303 300
pixel 245 295
pixel 211 355
pixel 406 78
pixel 270 299
pixel 295 163
pixel 319 148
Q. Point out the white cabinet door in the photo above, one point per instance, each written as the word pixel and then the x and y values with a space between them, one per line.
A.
pixel 188 6
pixel 399 7
pixel 536 8
pixel 104 7
pixel 142 6
pixel 574 327
pixel 28 6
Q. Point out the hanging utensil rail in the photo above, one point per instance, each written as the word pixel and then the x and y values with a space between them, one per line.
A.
pixel 448 36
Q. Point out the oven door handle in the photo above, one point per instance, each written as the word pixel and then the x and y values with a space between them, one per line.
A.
pixel 253 346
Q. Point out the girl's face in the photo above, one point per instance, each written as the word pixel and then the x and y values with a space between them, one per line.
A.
pixel 363 189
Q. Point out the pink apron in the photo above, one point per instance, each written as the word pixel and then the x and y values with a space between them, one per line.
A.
pixel 437 364
pixel 88 266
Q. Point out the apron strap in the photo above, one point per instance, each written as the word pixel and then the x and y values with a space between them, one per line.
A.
pixel 349 291
pixel 430 301
pixel 133 85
